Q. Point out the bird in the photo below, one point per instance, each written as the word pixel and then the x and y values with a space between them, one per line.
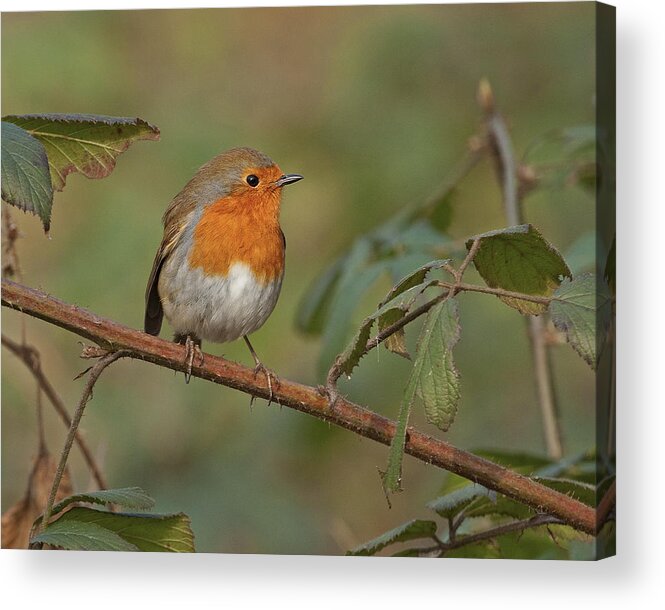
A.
pixel 219 268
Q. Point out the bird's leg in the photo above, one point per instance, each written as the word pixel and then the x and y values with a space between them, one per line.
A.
pixel 193 347
pixel 259 367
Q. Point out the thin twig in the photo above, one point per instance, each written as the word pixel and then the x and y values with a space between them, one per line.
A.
pixel 502 150
pixel 95 372
pixel 457 542
pixel 30 357
pixel 499 292
pixel 139 345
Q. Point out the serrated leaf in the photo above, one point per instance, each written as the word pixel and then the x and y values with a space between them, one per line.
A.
pixel 149 533
pixel 412 279
pixel 314 306
pixel 129 497
pixel 80 536
pixel 84 143
pixel 581 308
pixel 518 259
pixel 434 379
pixel 451 504
pixel 359 273
pixel 413 530
pixel 350 357
pixel 390 311
pixel 26 182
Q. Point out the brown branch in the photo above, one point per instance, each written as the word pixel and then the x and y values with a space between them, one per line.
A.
pixel 95 372
pixel 113 336
pixel 30 357
pixel 502 151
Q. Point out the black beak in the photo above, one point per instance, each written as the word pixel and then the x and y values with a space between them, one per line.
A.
pixel 288 179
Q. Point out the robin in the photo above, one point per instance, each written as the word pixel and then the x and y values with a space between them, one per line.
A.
pixel 219 269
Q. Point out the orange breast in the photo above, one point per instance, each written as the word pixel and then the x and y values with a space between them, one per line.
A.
pixel 240 229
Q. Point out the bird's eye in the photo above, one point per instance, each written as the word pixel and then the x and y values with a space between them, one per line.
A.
pixel 252 180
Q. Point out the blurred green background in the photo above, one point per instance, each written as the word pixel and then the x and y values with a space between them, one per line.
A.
pixel 373 105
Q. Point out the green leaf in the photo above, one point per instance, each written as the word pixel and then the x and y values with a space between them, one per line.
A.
pixel 451 504
pixel 81 536
pixel 413 530
pixel 581 309
pixel 518 259
pixel 359 273
pixel 84 143
pixel 26 182
pixel 433 378
pixel 350 357
pixel 129 497
pixel 314 306
pixel 414 278
pixel 150 533
pixel 388 313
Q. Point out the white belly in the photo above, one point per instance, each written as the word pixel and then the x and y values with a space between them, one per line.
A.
pixel 216 308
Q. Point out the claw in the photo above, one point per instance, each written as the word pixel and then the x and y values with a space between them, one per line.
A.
pixel 192 348
pixel 270 376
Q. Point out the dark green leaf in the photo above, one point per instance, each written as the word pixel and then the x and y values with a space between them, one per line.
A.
pixel 518 259
pixel 151 533
pixel 393 310
pixel 83 143
pixel 414 278
pixel 358 275
pixel 413 530
pixel 26 182
pixel 451 504
pixel 313 309
pixel 129 497
pixel 80 536
pixel 581 309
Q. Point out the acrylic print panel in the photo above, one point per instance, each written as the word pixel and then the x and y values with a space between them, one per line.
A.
pixel 447 293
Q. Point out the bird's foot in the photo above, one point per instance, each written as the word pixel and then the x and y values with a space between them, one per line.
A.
pixel 192 349
pixel 270 378
pixel 330 392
